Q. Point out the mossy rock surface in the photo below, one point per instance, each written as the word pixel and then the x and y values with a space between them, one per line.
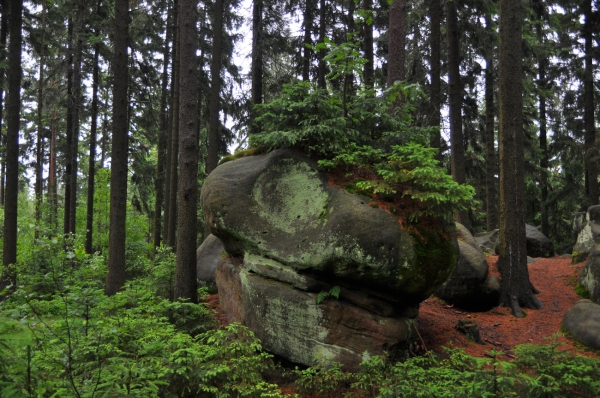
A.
pixel 290 322
pixel 582 321
pixel 588 235
pixel 590 275
pixel 280 206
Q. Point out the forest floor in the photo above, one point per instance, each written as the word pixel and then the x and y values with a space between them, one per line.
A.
pixel 556 279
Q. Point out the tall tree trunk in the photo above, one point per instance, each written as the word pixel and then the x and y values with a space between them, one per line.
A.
pixel 168 162
pixel 215 88
pixel 348 81
pixel 52 191
pixel 307 40
pixel 39 139
pixel 174 156
pixel 491 190
pixel 3 36
pixel 591 152
pixel 185 272
pixel 368 72
pixel 120 146
pixel 542 61
pixel 455 101
pixel 435 15
pixel 89 226
pixel 516 291
pixel 104 140
pixel 322 67
pixel 170 123
pixel 397 43
pixel 69 135
pixel 159 186
pixel 13 112
pixel 77 105
pixel 257 59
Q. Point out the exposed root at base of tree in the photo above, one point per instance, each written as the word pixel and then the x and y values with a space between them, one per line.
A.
pixel 525 300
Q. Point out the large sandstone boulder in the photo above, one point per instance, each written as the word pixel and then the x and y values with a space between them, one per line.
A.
pixel 291 323
pixel 589 233
pixel 208 256
pixel 583 322
pixel 280 206
pixel 590 275
pixel 469 286
pixel 538 244
pixel 295 236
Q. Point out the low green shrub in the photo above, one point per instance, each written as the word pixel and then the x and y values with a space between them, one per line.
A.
pixel 77 342
pixel 537 371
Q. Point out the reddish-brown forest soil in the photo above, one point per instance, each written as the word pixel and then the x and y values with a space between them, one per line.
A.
pixel 555 278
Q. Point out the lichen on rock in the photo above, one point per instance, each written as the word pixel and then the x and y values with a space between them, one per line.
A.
pixel 299 235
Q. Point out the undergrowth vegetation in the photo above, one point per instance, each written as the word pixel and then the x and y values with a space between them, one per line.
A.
pixel 537 371
pixel 60 336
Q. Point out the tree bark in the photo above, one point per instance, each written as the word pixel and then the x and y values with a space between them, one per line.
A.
pixel 322 68
pixel 185 272
pixel 69 135
pixel 517 290
pixel 435 15
pixel 3 37
pixel 39 139
pixel 52 194
pixel 172 116
pixel 77 105
pixel 455 102
pixel 215 88
pixel 174 156
pixel 307 40
pixel 120 146
pixel 89 226
pixel 397 43
pixel 159 184
pixel 368 72
pixel 257 59
pixel 491 190
pixel 591 152
pixel 542 61
pixel 13 113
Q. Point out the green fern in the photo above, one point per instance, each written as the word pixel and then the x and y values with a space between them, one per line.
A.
pixel 334 292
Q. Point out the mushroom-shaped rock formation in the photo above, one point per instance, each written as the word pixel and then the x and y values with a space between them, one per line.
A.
pixel 278 213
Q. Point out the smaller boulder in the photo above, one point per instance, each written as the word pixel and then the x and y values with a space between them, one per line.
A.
pixel 462 233
pixel 490 292
pixel 583 322
pixel 469 285
pixel 208 256
pixel 589 234
pixel 538 244
pixel 578 221
pixel 590 275
pixel 487 240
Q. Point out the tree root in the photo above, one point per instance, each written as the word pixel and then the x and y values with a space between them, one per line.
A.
pixel 524 301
